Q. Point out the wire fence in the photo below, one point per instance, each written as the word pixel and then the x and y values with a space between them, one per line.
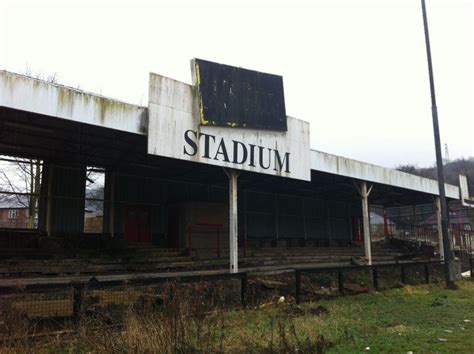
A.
pixel 110 300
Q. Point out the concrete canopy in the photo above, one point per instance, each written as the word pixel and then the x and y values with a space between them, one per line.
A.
pixel 61 124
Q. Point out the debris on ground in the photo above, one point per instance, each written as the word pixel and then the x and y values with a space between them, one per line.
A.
pixel 356 288
pixel 272 284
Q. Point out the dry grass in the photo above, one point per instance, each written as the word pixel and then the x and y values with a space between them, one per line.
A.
pixel 183 323
pixel 201 317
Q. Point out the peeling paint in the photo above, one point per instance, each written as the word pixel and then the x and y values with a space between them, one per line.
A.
pixel 201 107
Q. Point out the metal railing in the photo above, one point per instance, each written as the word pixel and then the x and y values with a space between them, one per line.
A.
pixel 203 228
pixel 375 269
pixel 75 299
pixel 414 233
pixel 67 299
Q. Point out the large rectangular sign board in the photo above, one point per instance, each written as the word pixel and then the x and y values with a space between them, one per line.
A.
pixel 238 98
pixel 174 131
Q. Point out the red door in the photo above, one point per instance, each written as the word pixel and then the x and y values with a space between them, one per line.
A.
pixel 138 225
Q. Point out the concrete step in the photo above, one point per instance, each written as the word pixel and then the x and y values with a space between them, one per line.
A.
pixel 88 267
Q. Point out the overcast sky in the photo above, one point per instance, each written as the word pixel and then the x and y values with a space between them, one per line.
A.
pixel 356 70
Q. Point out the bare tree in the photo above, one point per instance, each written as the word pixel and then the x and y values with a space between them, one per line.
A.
pixel 20 180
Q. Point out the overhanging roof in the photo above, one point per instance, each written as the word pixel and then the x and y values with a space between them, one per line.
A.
pixel 33 96
pixel 50 99
pixel 342 166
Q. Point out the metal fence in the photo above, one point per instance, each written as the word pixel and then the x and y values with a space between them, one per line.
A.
pixel 375 271
pixel 461 240
pixel 75 299
pixel 111 298
pixel 414 233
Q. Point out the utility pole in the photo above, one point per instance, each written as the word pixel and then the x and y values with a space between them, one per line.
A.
pixel 448 253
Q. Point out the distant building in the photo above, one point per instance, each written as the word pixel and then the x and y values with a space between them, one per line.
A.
pixel 14 212
pixel 93 217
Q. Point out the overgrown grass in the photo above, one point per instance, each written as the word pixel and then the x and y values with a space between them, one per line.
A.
pixel 424 318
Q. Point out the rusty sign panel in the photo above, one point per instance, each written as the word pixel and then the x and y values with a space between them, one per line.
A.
pixel 239 98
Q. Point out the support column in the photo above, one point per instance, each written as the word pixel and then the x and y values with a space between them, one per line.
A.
pixel 364 193
pixel 50 200
pixel 112 205
pixel 440 229
pixel 233 220
pixel 385 223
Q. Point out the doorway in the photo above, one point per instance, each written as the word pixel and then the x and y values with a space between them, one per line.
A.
pixel 138 225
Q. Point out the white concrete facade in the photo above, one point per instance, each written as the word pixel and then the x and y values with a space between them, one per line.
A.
pixel 37 96
pixel 338 165
pixel 174 131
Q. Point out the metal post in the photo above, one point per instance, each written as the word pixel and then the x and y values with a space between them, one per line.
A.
pixel 385 222
pixel 427 273
pixel 448 254
pixel 243 289
pixel 375 278
pixel 440 231
pixel 77 289
pixel 365 219
pixel 340 279
pixel 233 222
pixel 297 286
pixel 403 275
pixel 471 266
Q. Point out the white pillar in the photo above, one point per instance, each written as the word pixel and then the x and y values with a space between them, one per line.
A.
pixel 233 220
pixel 365 220
pixel 440 229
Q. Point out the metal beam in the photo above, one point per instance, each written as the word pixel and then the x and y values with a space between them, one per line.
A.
pixel 364 193
pixel 448 253
pixel 440 229
pixel 233 220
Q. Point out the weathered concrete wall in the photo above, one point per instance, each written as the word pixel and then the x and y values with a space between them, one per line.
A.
pixel 173 108
pixel 33 95
pixel 68 193
pixel 174 131
pixel 343 166
pixel 289 217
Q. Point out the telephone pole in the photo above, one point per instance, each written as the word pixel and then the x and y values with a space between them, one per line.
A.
pixel 448 253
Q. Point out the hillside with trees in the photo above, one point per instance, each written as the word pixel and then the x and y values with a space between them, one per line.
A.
pixel 452 170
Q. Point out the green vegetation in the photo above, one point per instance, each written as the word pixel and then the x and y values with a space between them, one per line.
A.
pixel 424 318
